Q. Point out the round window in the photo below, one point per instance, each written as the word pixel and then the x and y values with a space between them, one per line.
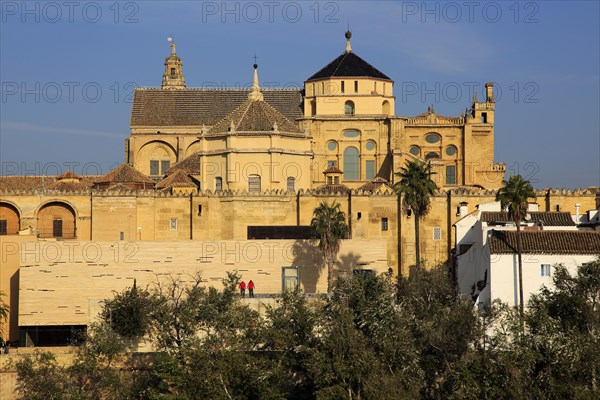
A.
pixel 414 150
pixel 432 138
pixel 331 146
pixel 450 150
pixel 370 145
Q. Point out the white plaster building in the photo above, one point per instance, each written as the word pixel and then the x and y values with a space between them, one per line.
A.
pixel 486 261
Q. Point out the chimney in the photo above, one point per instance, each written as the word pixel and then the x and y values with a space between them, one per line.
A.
pixel 463 209
pixel 577 205
pixel 489 92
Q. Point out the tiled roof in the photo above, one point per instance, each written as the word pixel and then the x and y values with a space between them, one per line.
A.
pixel 68 174
pixel 44 182
pixel 255 116
pixel 178 179
pixel 197 107
pixel 124 173
pixel 348 64
pixel 82 184
pixel 546 242
pixel 548 218
pixel 25 182
pixel 375 184
pixel 333 170
pixel 190 165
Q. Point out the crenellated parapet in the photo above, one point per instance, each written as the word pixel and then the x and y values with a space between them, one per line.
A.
pixel 590 191
pixel 473 191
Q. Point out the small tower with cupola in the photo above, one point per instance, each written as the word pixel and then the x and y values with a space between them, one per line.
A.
pixel 173 77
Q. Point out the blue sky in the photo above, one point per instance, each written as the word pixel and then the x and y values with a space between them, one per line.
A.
pixel 67 70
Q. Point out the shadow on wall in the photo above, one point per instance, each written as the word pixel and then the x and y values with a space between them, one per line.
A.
pixel 309 258
pixel 13 329
pixel 347 264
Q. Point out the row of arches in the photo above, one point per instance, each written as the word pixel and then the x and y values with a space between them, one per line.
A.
pixel 55 219
pixel 451 151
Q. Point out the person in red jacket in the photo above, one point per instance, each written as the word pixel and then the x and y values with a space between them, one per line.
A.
pixel 243 288
pixel 251 288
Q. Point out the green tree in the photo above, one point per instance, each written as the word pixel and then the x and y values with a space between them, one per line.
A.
pixel 128 313
pixel 39 377
pixel 364 348
pixel 441 325
pixel 513 197
pixel 416 188
pixel 329 224
pixel 564 333
pixel 289 334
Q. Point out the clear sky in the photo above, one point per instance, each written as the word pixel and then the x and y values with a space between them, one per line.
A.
pixel 67 70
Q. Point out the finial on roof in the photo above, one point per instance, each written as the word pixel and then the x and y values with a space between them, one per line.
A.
pixel 170 39
pixel 232 126
pixel 275 127
pixel 255 94
pixel 348 36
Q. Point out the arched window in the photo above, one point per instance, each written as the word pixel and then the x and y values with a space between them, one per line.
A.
pixel 385 107
pixel 432 155
pixel 254 184
pixel 351 164
pixel 9 219
pixel 313 108
pixel 291 184
pixel 56 219
pixel 349 108
pixel 451 151
pixel 415 151
pixel 218 184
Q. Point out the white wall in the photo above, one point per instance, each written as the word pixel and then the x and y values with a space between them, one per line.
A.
pixel 504 274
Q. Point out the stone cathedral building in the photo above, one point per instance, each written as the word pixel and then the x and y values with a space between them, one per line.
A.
pixel 344 117
pixel 215 180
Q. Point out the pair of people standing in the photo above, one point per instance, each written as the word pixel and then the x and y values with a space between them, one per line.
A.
pixel 250 289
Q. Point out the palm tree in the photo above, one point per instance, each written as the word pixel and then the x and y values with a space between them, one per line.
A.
pixel 513 197
pixel 329 224
pixel 4 312
pixel 417 188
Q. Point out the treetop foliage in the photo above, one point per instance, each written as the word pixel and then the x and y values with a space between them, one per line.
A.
pixel 374 337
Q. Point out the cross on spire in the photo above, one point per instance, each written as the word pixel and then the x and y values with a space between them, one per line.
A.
pixel 255 58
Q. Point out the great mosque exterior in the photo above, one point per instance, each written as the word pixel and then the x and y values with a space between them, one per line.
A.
pixel 227 179
pixel 343 117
